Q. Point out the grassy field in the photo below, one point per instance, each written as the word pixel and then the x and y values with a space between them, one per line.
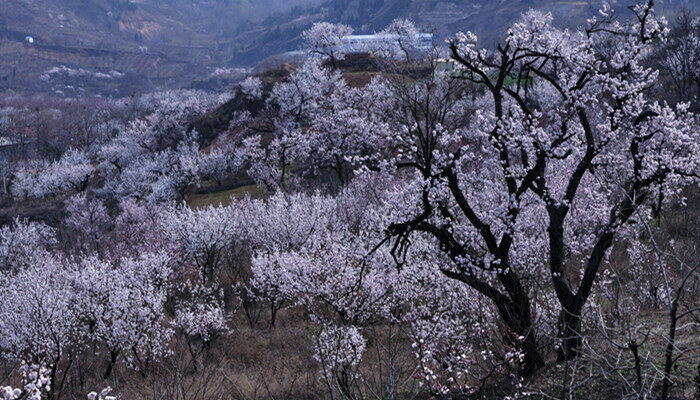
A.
pixel 199 200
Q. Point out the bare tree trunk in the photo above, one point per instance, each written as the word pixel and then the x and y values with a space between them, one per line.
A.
pixel 112 360
pixel 570 330
pixel 634 348
pixel 670 346
pixel 517 317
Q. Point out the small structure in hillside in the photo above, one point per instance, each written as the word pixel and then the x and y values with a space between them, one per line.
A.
pixel 445 65
pixel 29 40
pixel 5 141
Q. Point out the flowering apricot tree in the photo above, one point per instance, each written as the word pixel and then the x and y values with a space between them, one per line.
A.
pixel 326 40
pixel 562 151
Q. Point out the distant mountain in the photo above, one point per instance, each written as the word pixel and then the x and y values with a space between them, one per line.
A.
pixel 74 46
pixel 119 47
pixel 487 18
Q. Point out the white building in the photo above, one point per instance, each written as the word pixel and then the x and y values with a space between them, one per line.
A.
pixel 365 43
pixel 381 44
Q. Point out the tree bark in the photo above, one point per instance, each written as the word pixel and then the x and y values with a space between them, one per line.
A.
pixel 670 346
pixel 112 360
pixel 570 331
pixel 518 320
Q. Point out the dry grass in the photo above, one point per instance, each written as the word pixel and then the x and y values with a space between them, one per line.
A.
pixel 358 79
pixel 594 373
pixel 257 363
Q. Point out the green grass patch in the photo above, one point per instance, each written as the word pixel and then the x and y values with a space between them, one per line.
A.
pixel 224 197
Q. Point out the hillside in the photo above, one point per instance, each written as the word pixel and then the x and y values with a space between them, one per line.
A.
pixel 122 47
pixel 148 43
